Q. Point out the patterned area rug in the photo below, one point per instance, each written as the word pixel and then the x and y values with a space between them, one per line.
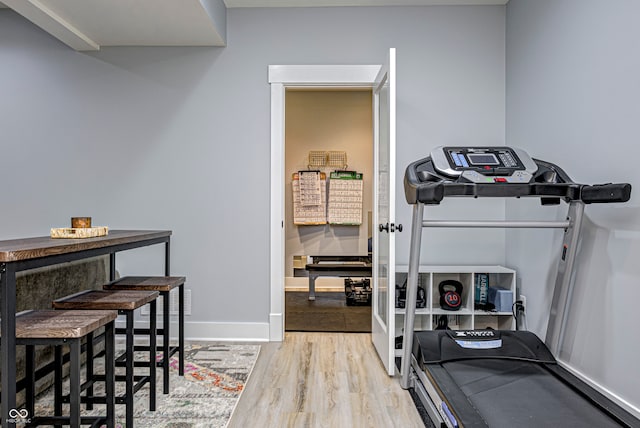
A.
pixel 214 378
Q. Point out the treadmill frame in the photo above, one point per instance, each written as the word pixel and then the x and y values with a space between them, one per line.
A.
pixel 412 375
pixel 563 288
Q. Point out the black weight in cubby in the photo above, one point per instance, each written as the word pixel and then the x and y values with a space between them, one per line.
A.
pixel 450 294
pixel 401 296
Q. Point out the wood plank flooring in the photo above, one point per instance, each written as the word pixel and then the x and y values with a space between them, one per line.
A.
pixel 323 380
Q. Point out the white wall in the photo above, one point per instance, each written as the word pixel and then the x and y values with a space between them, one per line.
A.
pixel 572 99
pixel 178 138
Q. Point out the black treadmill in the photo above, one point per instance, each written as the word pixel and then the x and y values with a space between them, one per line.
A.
pixel 501 378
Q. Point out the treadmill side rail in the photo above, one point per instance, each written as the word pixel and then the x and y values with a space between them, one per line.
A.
pixel 428 396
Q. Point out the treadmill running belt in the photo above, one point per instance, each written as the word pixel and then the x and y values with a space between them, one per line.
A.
pixel 522 394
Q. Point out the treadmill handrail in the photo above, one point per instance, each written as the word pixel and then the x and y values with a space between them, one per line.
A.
pixel 555 184
pixel 498 224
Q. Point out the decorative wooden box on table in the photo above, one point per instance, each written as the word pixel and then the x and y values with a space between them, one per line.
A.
pixel 80 228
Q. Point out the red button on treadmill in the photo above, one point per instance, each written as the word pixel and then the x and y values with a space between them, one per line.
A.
pixel 500 180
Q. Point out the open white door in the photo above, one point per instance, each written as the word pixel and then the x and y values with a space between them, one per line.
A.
pixel 384 132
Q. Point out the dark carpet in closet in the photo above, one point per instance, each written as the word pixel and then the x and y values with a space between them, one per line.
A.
pixel 328 313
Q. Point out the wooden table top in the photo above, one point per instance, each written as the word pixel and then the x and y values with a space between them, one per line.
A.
pixel 31 248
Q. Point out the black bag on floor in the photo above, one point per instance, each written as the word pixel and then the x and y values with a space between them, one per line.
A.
pixel 358 292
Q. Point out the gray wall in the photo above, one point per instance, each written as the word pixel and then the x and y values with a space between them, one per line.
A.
pixel 178 138
pixel 572 98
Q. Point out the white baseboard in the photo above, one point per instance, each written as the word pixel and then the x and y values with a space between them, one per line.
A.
pixel 276 323
pixel 214 331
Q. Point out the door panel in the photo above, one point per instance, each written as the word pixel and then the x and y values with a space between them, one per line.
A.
pixel 384 123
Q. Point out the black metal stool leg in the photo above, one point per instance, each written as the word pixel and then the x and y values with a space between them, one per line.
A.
pixel 89 364
pixel 110 376
pixel 166 338
pixel 129 371
pixel 152 356
pixel 74 383
pixel 30 389
pixel 57 382
pixel 181 329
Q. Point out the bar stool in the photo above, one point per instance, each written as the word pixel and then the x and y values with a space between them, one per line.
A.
pixel 163 284
pixel 57 328
pixel 125 302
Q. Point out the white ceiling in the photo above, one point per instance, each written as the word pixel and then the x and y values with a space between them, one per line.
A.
pixel 324 3
pixel 90 24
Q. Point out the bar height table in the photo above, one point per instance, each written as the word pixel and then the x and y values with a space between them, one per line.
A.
pixel 23 254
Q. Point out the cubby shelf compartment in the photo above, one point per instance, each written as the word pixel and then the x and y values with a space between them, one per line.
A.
pixel 466 317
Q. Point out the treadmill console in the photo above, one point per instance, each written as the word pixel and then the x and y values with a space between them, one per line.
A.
pixel 499 171
pixel 484 164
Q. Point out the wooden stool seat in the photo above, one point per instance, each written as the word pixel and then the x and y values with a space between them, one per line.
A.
pixel 163 284
pixel 157 283
pixel 125 302
pixel 60 328
pixel 45 324
pixel 104 299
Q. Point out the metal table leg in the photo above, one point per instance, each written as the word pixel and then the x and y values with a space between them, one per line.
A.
pixel 8 341
pixel 312 286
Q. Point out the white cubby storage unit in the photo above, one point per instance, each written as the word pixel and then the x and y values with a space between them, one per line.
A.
pixel 466 317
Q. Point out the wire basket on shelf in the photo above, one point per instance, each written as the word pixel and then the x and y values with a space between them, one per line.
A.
pixel 317 159
pixel 337 159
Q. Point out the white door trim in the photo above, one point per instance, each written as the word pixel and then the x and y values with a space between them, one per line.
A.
pixel 281 77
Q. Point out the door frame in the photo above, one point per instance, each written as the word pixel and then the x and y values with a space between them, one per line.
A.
pixel 282 77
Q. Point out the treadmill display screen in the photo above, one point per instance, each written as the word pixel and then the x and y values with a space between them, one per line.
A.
pixel 483 164
pixel 483 159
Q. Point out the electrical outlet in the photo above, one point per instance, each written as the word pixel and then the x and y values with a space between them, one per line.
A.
pixel 523 299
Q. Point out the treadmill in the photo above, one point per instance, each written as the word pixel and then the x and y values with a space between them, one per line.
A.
pixel 501 378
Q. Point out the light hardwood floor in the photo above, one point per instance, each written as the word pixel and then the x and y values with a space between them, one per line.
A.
pixel 323 380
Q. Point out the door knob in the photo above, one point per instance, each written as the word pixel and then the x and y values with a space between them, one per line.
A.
pixel 395 227
pixel 390 227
